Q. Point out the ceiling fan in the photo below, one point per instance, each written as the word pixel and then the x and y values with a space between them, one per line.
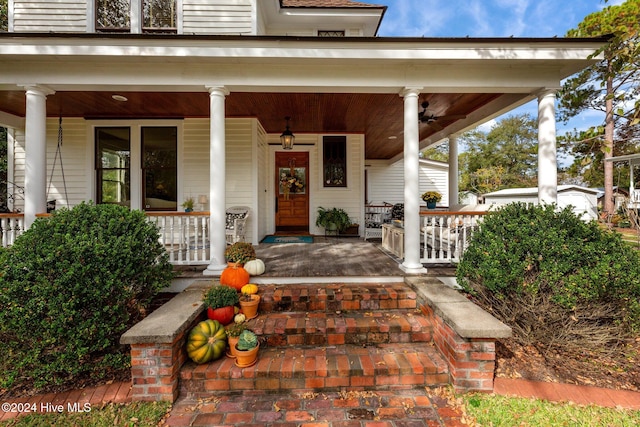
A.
pixel 423 117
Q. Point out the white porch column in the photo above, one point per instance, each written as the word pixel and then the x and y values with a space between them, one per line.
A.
pixel 411 262
pixel 217 181
pixel 453 170
pixel 35 178
pixel 547 155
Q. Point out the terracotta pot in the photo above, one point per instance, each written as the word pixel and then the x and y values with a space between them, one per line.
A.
pixel 245 358
pixel 224 315
pixel 231 350
pixel 250 308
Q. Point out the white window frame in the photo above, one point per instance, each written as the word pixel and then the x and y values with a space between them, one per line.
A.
pixel 136 153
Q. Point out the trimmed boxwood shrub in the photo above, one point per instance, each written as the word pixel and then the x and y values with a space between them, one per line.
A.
pixel 554 278
pixel 70 286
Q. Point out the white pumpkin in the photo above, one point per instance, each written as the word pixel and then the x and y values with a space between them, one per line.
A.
pixel 255 267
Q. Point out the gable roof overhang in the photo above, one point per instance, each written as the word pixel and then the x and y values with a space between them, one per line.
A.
pixel 323 15
pixel 325 84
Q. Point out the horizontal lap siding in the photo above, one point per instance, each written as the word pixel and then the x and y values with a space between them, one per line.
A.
pixel 18 168
pixel 240 169
pixel 262 186
pixel 350 198
pixel 218 17
pixel 72 158
pixel 195 158
pixel 50 15
pixel 386 182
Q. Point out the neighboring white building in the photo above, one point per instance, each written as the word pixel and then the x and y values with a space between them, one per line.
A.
pixel 385 182
pixel 583 200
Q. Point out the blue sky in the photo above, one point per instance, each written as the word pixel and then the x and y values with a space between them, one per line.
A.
pixel 492 18
pixel 484 18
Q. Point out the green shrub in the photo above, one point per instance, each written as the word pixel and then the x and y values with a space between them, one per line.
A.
pixel 552 277
pixel 70 286
pixel 219 296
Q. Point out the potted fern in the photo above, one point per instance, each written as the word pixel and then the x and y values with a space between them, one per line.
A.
pixel 334 219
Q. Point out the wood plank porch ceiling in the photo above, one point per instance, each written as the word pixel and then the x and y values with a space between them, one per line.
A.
pixel 377 116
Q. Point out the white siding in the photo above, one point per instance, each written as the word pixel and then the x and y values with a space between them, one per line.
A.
pixel 18 168
pixel 385 182
pixel 50 15
pixel 262 184
pixel 351 198
pixel 218 17
pixel 195 159
pixel 241 173
pixel 583 201
pixel 71 159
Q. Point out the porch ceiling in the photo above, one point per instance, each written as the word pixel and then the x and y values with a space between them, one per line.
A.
pixel 378 116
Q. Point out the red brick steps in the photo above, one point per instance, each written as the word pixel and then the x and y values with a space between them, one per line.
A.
pixel 336 297
pixel 330 337
pixel 355 327
pixel 381 367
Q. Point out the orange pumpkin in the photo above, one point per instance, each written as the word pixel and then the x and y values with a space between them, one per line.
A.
pixel 236 277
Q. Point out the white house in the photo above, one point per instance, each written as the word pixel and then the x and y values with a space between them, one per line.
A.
pixel 385 182
pixel 191 101
pixel 584 201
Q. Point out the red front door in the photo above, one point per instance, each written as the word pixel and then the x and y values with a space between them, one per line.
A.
pixel 292 203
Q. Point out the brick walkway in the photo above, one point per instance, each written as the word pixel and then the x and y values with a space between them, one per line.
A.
pixel 119 392
pixel 406 408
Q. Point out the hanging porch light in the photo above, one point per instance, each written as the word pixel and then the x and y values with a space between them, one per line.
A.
pixel 287 138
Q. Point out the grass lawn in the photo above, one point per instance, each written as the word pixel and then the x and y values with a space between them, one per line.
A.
pixel 127 414
pixel 500 411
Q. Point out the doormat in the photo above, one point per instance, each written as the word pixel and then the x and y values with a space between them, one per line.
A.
pixel 288 239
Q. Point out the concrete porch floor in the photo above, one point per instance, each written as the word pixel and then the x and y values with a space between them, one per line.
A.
pixel 327 259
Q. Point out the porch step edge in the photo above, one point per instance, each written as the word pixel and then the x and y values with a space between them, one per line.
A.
pixel 391 366
pixel 350 327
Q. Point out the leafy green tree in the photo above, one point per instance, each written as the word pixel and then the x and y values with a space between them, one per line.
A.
pixel 610 86
pixel 4 15
pixel 439 153
pixel 504 157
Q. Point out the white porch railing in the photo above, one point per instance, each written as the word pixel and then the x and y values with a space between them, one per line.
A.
pixel 11 226
pixel 184 235
pixel 445 235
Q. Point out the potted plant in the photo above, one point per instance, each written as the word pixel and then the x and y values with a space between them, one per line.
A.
pixel 334 219
pixel 233 335
pixel 240 252
pixel 220 301
pixel 431 197
pixel 247 349
pixel 188 204
pixel 249 305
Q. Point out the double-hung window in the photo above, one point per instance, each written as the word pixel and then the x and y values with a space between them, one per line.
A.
pixel 143 15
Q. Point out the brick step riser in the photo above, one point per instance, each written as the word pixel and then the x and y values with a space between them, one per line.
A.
pixel 350 328
pixel 319 370
pixel 336 298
